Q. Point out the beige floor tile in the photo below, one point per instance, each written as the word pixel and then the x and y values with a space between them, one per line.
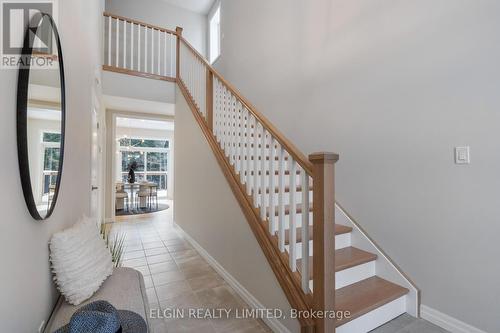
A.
pixel 132 247
pixel 135 262
pixel 208 281
pixel 167 277
pixel 151 293
pixel 158 326
pixel 192 272
pixel 185 301
pixel 133 255
pixel 190 326
pixel 163 267
pixel 172 290
pixel 220 297
pixel 184 254
pixel 152 245
pixel 144 270
pixel 165 257
pixel 179 247
pixel 175 241
pixel 148 281
pixel 157 251
pixel 237 325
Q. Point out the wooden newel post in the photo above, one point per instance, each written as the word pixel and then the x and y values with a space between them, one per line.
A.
pixel 209 100
pixel 324 237
pixel 178 31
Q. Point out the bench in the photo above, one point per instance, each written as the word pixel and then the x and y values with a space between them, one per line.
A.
pixel 125 290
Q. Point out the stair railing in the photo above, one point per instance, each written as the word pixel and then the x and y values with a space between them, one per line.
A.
pixel 262 158
pixel 137 48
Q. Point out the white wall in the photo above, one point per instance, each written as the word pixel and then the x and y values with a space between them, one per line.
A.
pixel 393 87
pixel 207 210
pixel 27 289
pixel 162 14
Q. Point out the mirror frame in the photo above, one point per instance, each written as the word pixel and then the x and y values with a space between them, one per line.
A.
pixel 22 119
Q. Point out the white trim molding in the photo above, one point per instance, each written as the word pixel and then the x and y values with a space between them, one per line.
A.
pixel 274 324
pixel 447 322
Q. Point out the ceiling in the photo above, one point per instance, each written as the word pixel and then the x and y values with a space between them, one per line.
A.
pixel 198 6
pixel 144 124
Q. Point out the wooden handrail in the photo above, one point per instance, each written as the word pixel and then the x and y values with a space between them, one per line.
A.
pixel 126 19
pixel 287 145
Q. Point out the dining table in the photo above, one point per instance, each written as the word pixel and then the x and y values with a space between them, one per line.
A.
pixel 133 187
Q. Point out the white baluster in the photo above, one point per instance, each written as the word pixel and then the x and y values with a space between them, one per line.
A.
pixel 239 132
pixel 255 164
pixel 305 231
pixel 139 65
pixel 272 177
pixel 145 49
pixel 109 41
pixel 281 203
pixel 159 53
pixel 165 73
pixel 248 152
pixel 132 32
pixel 173 40
pixel 117 64
pixel 124 44
pixel 293 216
pixel 152 51
pixel 226 121
pixel 263 169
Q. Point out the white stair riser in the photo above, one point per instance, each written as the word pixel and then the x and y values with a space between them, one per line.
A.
pixel 341 241
pixel 352 275
pixel 375 318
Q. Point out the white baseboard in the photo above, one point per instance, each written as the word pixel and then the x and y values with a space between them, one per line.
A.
pixel 447 322
pixel 274 324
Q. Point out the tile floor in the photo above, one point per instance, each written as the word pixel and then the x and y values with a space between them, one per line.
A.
pixel 177 277
pixel 408 324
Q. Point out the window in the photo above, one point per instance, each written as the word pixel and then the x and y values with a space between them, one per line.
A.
pixel 215 34
pixel 51 154
pixel 151 157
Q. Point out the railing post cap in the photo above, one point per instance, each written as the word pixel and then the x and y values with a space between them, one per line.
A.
pixel 179 30
pixel 321 157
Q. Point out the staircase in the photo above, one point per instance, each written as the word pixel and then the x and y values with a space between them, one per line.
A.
pixel 321 257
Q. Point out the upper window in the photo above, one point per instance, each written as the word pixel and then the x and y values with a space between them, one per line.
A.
pixel 215 34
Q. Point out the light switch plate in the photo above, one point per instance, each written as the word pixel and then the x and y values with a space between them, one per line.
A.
pixel 462 155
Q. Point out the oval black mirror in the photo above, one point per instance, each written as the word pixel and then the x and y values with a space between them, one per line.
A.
pixel 41 115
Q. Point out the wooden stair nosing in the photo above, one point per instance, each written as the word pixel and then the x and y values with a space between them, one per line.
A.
pixel 339 230
pixel 364 296
pixel 345 258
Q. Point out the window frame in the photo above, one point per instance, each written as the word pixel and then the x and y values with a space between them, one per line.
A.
pixel 51 173
pixel 216 10
pixel 145 150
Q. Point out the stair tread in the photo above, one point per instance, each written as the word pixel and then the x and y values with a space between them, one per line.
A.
pixel 339 230
pixel 345 258
pixel 362 297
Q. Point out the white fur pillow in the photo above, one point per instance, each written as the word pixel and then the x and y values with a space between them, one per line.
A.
pixel 80 261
